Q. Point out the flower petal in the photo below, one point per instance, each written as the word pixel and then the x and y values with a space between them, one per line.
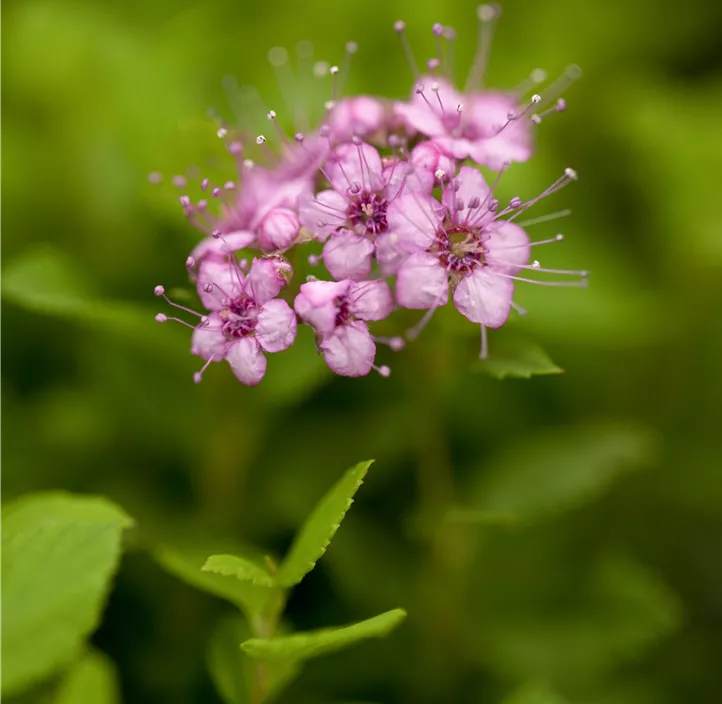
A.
pixel 348 256
pixel 208 341
pixel 359 117
pixel 226 278
pixel 406 177
pixel 247 360
pixel 278 229
pixel 276 326
pixel 415 219
pixel 267 277
pixel 422 282
pixel 317 304
pixel 370 300
pixel 359 165
pixel 508 246
pixel 484 297
pixel 471 185
pixel 424 113
pixel 227 243
pixel 323 214
pixel 350 351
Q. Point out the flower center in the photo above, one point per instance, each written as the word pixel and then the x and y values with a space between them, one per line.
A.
pixel 239 318
pixel 459 249
pixel 367 214
pixel 343 315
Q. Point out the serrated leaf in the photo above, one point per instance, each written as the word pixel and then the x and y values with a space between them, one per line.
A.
pixel 233 672
pixel 514 355
pixel 560 468
pixel 321 526
pixel 186 564
pixel 92 680
pixel 59 553
pixel 238 567
pixel 303 646
pixel 534 694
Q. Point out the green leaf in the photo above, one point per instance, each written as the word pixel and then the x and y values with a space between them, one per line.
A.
pixel 92 680
pixel 234 673
pixel 186 563
pixel 534 694
pixel 512 354
pixel 59 553
pixel 560 468
pixel 321 526
pixel 45 280
pixel 238 567
pixel 303 646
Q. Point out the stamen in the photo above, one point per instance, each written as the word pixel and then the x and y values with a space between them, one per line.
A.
pixel 545 218
pixel 414 332
pixel 160 291
pixel 557 238
pixel 272 118
pixel 487 14
pixel 438 32
pixel 580 284
pixel 351 49
pixel 519 309
pixel 383 370
pixel 536 77
pixel 449 36
pixel 334 83
pixel 261 141
pixel 198 376
pixel 395 343
pixel 400 29
pixel 484 353
pixel 571 74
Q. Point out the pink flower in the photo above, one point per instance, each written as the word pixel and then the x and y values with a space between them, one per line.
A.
pixel 461 244
pixel 338 312
pixel 486 127
pixel 261 209
pixel 246 319
pixel 355 117
pixel 352 214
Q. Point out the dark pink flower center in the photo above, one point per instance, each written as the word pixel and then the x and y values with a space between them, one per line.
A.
pixel 343 314
pixel 239 318
pixel 367 213
pixel 459 249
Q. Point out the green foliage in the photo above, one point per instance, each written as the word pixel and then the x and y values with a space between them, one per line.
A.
pixel 303 646
pixel 534 694
pixel 560 468
pixel 45 280
pixel 513 355
pixel 59 553
pixel 240 568
pixel 92 680
pixel 187 564
pixel 311 543
pixel 233 672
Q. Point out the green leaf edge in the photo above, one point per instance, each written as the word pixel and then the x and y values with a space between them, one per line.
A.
pixel 218 564
pixel 286 580
pixel 257 648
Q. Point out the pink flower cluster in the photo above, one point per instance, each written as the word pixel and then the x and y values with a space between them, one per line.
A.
pixel 393 192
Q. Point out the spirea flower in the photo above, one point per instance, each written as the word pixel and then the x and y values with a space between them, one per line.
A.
pixel 246 319
pixel 464 244
pixel 339 312
pixel 352 213
pixel 392 191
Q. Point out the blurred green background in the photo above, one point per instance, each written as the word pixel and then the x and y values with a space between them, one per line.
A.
pixel 558 567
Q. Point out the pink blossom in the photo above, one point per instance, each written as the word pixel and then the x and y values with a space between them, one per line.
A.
pixel 487 127
pixel 457 245
pixel 352 213
pixel 338 312
pixel 361 116
pixel 246 319
pixel 261 209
